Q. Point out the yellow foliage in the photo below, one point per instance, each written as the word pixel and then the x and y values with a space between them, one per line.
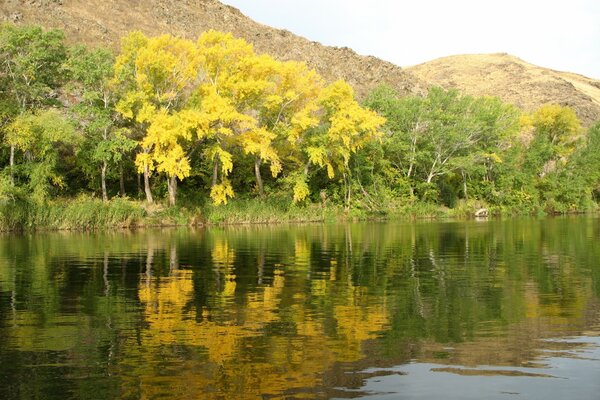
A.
pixel 493 157
pixel 349 127
pixel 560 124
pixel 221 192
pixel 163 143
pixel 156 76
pixel 143 160
pixel 217 90
pixel 154 73
pixel 219 55
pixel 224 157
pixel 301 190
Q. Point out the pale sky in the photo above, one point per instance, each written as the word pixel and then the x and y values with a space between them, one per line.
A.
pixel 562 35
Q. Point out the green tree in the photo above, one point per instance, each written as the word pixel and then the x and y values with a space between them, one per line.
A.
pixel 30 73
pixel 42 136
pixel 444 135
pixel 105 142
pixel 404 130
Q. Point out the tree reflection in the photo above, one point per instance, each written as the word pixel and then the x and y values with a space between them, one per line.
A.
pixel 273 311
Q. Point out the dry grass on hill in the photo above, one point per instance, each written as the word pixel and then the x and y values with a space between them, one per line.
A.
pixel 514 81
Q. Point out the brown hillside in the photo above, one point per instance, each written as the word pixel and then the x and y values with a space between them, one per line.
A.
pixel 514 81
pixel 105 21
pixel 511 79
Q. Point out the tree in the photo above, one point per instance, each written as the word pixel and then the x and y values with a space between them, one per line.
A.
pixel 555 132
pixel 444 135
pixel 41 136
pixel 345 128
pixel 497 125
pixel 404 130
pixel 106 143
pixel 222 94
pixel 157 76
pixel 31 61
pixel 576 185
pixel 286 108
pixel 557 123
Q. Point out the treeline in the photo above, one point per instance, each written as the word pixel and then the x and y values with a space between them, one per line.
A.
pixel 209 119
pixel 211 112
pixel 458 150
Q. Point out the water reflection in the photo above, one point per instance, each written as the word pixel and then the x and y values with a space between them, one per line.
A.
pixel 296 312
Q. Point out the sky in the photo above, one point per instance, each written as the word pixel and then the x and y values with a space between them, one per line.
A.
pixel 557 34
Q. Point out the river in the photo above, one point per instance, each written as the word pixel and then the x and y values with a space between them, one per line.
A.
pixel 396 310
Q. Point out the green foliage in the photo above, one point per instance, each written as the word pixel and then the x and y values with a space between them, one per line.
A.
pixel 432 140
pixel 42 137
pixel 223 124
pixel 31 61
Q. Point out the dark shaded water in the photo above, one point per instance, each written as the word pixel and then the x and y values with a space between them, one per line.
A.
pixel 396 310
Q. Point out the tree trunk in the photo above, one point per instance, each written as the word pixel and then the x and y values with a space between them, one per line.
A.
pixel 172 187
pixel 215 176
pixel 348 197
pixel 121 181
pixel 347 192
pixel 103 181
pixel 465 185
pixel 12 164
pixel 139 185
pixel 259 181
pixel 147 189
pixel 430 177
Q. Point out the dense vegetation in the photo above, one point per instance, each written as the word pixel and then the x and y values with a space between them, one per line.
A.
pixel 198 123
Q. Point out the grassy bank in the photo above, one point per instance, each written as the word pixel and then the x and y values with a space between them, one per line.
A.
pixel 76 214
pixel 87 213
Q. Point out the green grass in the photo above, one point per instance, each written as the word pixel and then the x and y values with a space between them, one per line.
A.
pixel 254 211
pixel 87 213
pixel 76 214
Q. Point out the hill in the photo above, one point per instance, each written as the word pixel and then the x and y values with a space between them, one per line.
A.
pixel 514 81
pixel 106 21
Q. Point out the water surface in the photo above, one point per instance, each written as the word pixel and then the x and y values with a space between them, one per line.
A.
pixel 495 309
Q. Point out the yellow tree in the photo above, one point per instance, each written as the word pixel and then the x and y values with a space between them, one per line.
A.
pixel 157 76
pixel 345 128
pixel 558 124
pixel 252 102
pixel 225 89
pixel 216 119
pixel 285 108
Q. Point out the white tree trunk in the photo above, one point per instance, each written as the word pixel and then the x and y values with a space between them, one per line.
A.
pixel 103 179
pixel 147 189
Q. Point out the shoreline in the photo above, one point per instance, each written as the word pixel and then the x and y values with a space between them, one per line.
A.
pixel 92 215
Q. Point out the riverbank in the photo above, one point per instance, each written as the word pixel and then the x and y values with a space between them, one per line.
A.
pixel 87 213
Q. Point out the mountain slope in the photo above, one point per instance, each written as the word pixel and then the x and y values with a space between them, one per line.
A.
pixel 105 21
pixel 515 81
